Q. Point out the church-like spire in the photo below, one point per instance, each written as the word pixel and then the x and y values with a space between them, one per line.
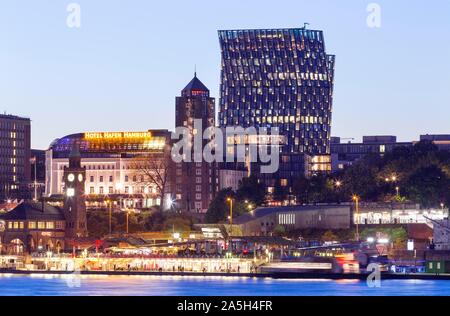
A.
pixel 195 88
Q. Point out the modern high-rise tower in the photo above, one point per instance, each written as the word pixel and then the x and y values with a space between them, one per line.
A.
pixel 279 78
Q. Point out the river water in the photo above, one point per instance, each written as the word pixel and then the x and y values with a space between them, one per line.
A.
pixel 75 285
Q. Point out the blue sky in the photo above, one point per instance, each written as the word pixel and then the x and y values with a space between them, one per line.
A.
pixel 123 68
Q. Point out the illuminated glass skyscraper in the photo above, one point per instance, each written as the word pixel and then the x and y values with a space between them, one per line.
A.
pixel 279 78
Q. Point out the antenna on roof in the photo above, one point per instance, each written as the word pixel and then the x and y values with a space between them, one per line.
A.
pixel 305 25
pixel 195 70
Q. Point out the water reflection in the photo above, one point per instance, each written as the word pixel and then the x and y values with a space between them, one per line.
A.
pixel 210 285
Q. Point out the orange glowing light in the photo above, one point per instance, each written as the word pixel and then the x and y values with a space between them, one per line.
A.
pixel 116 135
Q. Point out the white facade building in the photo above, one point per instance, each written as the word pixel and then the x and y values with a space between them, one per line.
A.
pixel 111 167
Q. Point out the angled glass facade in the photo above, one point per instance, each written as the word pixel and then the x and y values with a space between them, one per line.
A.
pixel 279 78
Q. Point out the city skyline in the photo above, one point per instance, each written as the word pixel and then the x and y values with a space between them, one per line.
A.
pixel 65 78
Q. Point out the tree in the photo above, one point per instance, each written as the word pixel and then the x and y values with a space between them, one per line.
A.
pixel 218 209
pixel 279 230
pixel 177 222
pixel 329 236
pixel 252 190
pixel 429 186
pixel 279 192
pixel 300 189
pixel 321 188
pixel 153 171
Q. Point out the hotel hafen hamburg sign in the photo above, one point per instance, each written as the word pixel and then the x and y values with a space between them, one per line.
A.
pixel 117 135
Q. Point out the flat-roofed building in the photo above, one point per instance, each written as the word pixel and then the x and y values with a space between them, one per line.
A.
pixel 119 165
pixel 15 143
pixel 263 221
pixel 344 154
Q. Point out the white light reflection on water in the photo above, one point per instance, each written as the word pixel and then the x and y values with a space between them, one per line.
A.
pixel 47 284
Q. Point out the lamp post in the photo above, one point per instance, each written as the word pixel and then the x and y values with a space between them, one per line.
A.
pixel 356 199
pixel 110 216
pixel 338 185
pixel 119 187
pixel 128 214
pixel 230 200
pixel 35 178
pixel 248 205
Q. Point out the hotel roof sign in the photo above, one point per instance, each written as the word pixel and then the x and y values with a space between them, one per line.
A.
pixel 116 135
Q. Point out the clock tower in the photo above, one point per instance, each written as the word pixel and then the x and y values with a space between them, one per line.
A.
pixel 74 200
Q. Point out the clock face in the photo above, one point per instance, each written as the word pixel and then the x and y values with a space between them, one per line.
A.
pixel 71 177
pixel 80 177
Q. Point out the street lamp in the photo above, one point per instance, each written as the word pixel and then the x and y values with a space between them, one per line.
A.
pixel 356 199
pixel 398 191
pixel 248 205
pixel 128 214
pixel 230 200
pixel 338 185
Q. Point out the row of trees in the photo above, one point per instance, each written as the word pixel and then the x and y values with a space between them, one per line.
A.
pixel 419 174
pixel 98 222
pixel 250 194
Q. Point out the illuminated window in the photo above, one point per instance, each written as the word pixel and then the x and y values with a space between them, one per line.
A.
pixel 31 225
pixel 41 225
pixel 50 225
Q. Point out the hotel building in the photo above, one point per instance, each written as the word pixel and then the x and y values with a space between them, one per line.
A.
pixel 114 167
pixel 15 143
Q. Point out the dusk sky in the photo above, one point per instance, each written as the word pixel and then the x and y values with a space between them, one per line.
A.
pixel 123 68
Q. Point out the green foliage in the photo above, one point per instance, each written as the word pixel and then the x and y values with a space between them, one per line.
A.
pixel 428 186
pixel 252 190
pixel 279 192
pixel 279 230
pixel 398 234
pixel 329 236
pixel 421 172
pixel 177 222
pixel 98 222
pixel 219 208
